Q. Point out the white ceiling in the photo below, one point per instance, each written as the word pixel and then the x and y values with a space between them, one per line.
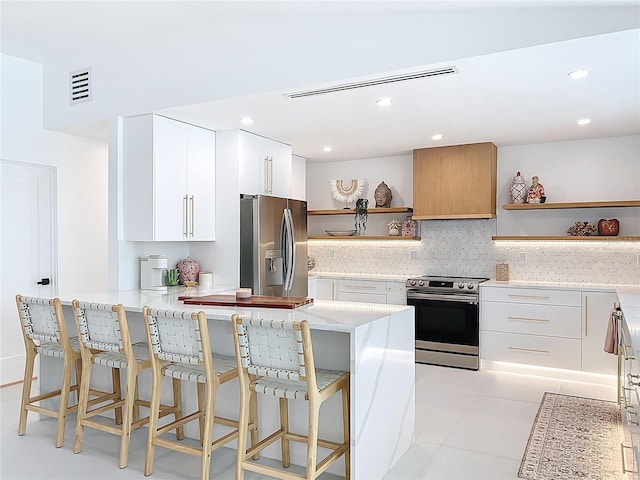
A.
pixel 211 63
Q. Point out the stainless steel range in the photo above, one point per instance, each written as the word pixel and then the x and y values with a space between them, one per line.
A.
pixel 447 320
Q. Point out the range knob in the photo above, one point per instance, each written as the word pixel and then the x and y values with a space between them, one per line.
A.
pixel 471 286
pixel 412 283
pixel 461 285
pixel 421 283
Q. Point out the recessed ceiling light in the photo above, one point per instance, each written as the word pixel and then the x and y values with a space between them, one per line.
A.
pixel 327 149
pixel 578 74
pixel 438 136
pixel 246 120
pixel 384 102
pixel 583 121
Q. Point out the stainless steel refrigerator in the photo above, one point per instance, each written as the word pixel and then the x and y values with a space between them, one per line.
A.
pixel 273 246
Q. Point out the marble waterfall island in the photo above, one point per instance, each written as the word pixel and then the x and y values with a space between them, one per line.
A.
pixel 375 343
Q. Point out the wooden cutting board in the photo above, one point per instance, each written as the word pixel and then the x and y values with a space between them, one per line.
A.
pixel 253 301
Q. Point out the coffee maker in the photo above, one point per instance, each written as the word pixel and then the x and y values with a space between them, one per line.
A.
pixel 152 271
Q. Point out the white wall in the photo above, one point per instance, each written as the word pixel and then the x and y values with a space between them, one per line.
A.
pixel 575 171
pixel 608 168
pixel 82 176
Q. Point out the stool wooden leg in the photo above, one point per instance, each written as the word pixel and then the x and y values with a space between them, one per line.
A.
pixel 210 401
pixel 136 404
pixel 26 388
pixel 78 378
pixel 253 421
pixel 177 402
pixel 346 426
pixel 153 421
pixel 83 398
pixel 63 407
pixel 201 410
pixel 284 426
pixel 243 428
pixel 117 389
pixel 129 402
pixel 312 442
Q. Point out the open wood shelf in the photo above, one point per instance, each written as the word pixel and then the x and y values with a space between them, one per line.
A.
pixel 570 238
pixel 363 237
pixel 351 211
pixel 543 206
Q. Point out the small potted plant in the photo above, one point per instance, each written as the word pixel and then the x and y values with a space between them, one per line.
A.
pixel 172 277
pixel 394 227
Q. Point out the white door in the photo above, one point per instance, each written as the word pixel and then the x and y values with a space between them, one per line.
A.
pixel 27 242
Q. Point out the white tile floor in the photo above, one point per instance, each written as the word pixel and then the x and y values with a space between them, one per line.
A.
pixel 469 425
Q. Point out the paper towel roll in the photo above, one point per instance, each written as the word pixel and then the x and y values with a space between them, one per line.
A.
pixel 205 279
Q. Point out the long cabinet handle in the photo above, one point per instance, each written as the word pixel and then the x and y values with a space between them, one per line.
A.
pixel 193 215
pixel 529 350
pixel 624 463
pixel 266 174
pixel 361 287
pixel 512 295
pixel 525 319
pixel 185 217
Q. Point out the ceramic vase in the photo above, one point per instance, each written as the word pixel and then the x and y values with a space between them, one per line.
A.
pixel 608 227
pixel 188 270
pixel 518 189
pixel 409 227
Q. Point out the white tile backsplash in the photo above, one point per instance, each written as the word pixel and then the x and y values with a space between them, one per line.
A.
pixel 465 248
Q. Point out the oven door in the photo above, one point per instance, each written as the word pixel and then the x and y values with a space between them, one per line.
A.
pixel 446 322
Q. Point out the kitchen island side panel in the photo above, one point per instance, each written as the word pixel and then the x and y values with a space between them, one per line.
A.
pixel 383 393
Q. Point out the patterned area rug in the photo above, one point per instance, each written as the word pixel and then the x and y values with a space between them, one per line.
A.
pixel 574 438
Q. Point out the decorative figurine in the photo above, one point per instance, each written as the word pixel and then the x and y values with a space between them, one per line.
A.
pixel 394 227
pixel 582 229
pixel 536 191
pixel 518 189
pixel 383 196
pixel 361 215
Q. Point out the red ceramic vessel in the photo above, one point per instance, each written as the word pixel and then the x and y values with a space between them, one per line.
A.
pixel 608 227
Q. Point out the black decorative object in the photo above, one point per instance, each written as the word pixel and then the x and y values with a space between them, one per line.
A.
pixel 361 215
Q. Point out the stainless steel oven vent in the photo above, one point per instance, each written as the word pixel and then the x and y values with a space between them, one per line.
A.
pixel 80 86
pixel 436 72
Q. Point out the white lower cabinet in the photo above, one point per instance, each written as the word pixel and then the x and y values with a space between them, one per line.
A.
pixel 365 291
pixel 596 310
pixel 548 327
pixel 629 400
pixel 326 289
pixel 556 352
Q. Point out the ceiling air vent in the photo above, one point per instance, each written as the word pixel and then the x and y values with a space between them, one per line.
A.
pixel 375 81
pixel 80 86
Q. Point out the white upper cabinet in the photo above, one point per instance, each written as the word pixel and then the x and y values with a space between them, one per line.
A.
pixel 169 180
pixel 265 166
pixel 298 178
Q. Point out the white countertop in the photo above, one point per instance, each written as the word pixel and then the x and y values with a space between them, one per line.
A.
pixel 360 276
pixel 321 315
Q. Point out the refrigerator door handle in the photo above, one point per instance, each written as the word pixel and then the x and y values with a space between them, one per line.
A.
pixel 284 246
pixel 292 250
pixel 286 237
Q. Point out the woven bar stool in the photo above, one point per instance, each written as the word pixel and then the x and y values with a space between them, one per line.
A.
pixel 280 356
pixel 45 332
pixel 105 340
pixel 181 350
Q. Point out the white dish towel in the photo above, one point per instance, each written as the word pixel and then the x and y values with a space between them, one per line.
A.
pixel 611 340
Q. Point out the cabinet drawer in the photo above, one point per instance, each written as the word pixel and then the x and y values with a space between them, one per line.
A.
pixel 549 320
pixel 531 350
pixel 361 297
pixel 540 296
pixel 362 286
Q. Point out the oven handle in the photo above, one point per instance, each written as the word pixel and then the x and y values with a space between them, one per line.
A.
pixel 472 299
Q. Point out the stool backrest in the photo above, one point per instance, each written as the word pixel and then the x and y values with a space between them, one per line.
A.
pixel 102 326
pixel 42 320
pixel 178 337
pixel 275 348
